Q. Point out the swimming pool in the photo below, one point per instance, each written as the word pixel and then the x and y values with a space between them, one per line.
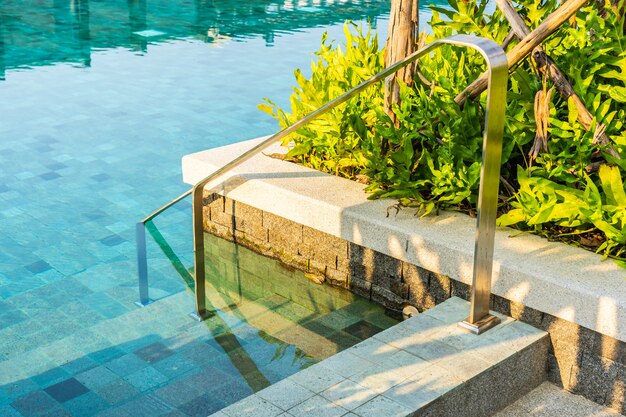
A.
pixel 99 100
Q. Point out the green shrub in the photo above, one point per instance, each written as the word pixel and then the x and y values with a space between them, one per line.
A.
pixel 433 158
pixel 340 142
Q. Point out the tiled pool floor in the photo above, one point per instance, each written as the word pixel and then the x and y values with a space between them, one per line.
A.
pixel 98 102
pixel 81 350
pixel 94 119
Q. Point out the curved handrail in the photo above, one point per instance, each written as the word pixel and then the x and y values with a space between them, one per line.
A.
pixel 497 70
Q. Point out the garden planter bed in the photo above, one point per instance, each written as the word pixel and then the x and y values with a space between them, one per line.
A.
pixel 327 226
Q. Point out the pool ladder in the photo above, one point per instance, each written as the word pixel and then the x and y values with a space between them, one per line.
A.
pixel 479 319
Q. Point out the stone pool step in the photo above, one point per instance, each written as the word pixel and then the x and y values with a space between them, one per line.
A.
pixel 424 366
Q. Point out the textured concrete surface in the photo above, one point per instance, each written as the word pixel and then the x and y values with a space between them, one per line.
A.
pixel 426 365
pixel 581 360
pixel 548 400
pixel 442 244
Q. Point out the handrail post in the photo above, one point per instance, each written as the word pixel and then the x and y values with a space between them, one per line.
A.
pixel 480 320
pixel 142 258
pixel 198 253
pixel 142 265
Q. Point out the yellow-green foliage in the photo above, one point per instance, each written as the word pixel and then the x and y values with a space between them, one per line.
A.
pixel 433 158
pixel 339 141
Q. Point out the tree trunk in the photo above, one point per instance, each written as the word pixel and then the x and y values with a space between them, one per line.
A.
pixel 402 41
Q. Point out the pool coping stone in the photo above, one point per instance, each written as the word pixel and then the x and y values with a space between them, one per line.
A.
pixel 566 282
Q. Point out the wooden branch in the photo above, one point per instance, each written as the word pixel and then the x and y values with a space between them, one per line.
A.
pixel 525 46
pixel 559 80
pixel 509 38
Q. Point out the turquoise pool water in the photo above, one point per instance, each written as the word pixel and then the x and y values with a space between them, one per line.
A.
pixel 99 100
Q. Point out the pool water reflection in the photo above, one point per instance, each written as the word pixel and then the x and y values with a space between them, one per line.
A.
pixel 98 102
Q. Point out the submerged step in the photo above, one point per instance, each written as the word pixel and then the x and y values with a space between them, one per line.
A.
pixel 425 366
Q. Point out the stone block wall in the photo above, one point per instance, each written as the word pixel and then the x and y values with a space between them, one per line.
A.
pixel 580 360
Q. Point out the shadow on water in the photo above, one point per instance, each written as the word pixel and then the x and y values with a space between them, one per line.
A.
pixel 151 375
pixel 265 320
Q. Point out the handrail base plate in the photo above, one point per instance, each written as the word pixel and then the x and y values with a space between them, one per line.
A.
pixel 481 326
pixel 144 304
pixel 201 316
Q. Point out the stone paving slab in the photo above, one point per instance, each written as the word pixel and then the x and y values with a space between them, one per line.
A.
pixel 422 365
pixel 548 400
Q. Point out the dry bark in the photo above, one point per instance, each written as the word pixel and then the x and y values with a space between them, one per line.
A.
pixel 542 117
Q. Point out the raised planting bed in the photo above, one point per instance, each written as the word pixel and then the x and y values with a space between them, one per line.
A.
pixel 325 225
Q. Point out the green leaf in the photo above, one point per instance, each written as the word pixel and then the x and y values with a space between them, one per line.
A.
pixel 618 93
pixel 572 111
pixel 512 217
pixel 612 185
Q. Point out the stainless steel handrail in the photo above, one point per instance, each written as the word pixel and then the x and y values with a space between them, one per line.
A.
pixel 479 319
pixel 142 257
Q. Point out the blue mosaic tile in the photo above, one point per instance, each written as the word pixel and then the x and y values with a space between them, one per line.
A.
pixel 179 392
pixel 51 377
pixel 101 177
pixel 35 404
pixel 16 390
pixel 12 317
pixel 94 214
pixel 39 266
pixel 146 378
pixel 56 166
pixel 202 406
pixel 154 352
pixel 8 411
pixel 51 275
pixel 58 412
pixel 87 405
pixel 80 365
pixel 147 406
pixel 49 175
pixel 66 390
pixel 224 365
pixel 96 377
pixel 126 364
pixel 175 366
pixel 175 413
pixel 112 240
pixel 105 305
pixel 200 353
pixel 230 391
pixel 117 392
pixel 79 169
pixel 133 345
pixel 106 355
pixel 210 376
pixel 115 412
